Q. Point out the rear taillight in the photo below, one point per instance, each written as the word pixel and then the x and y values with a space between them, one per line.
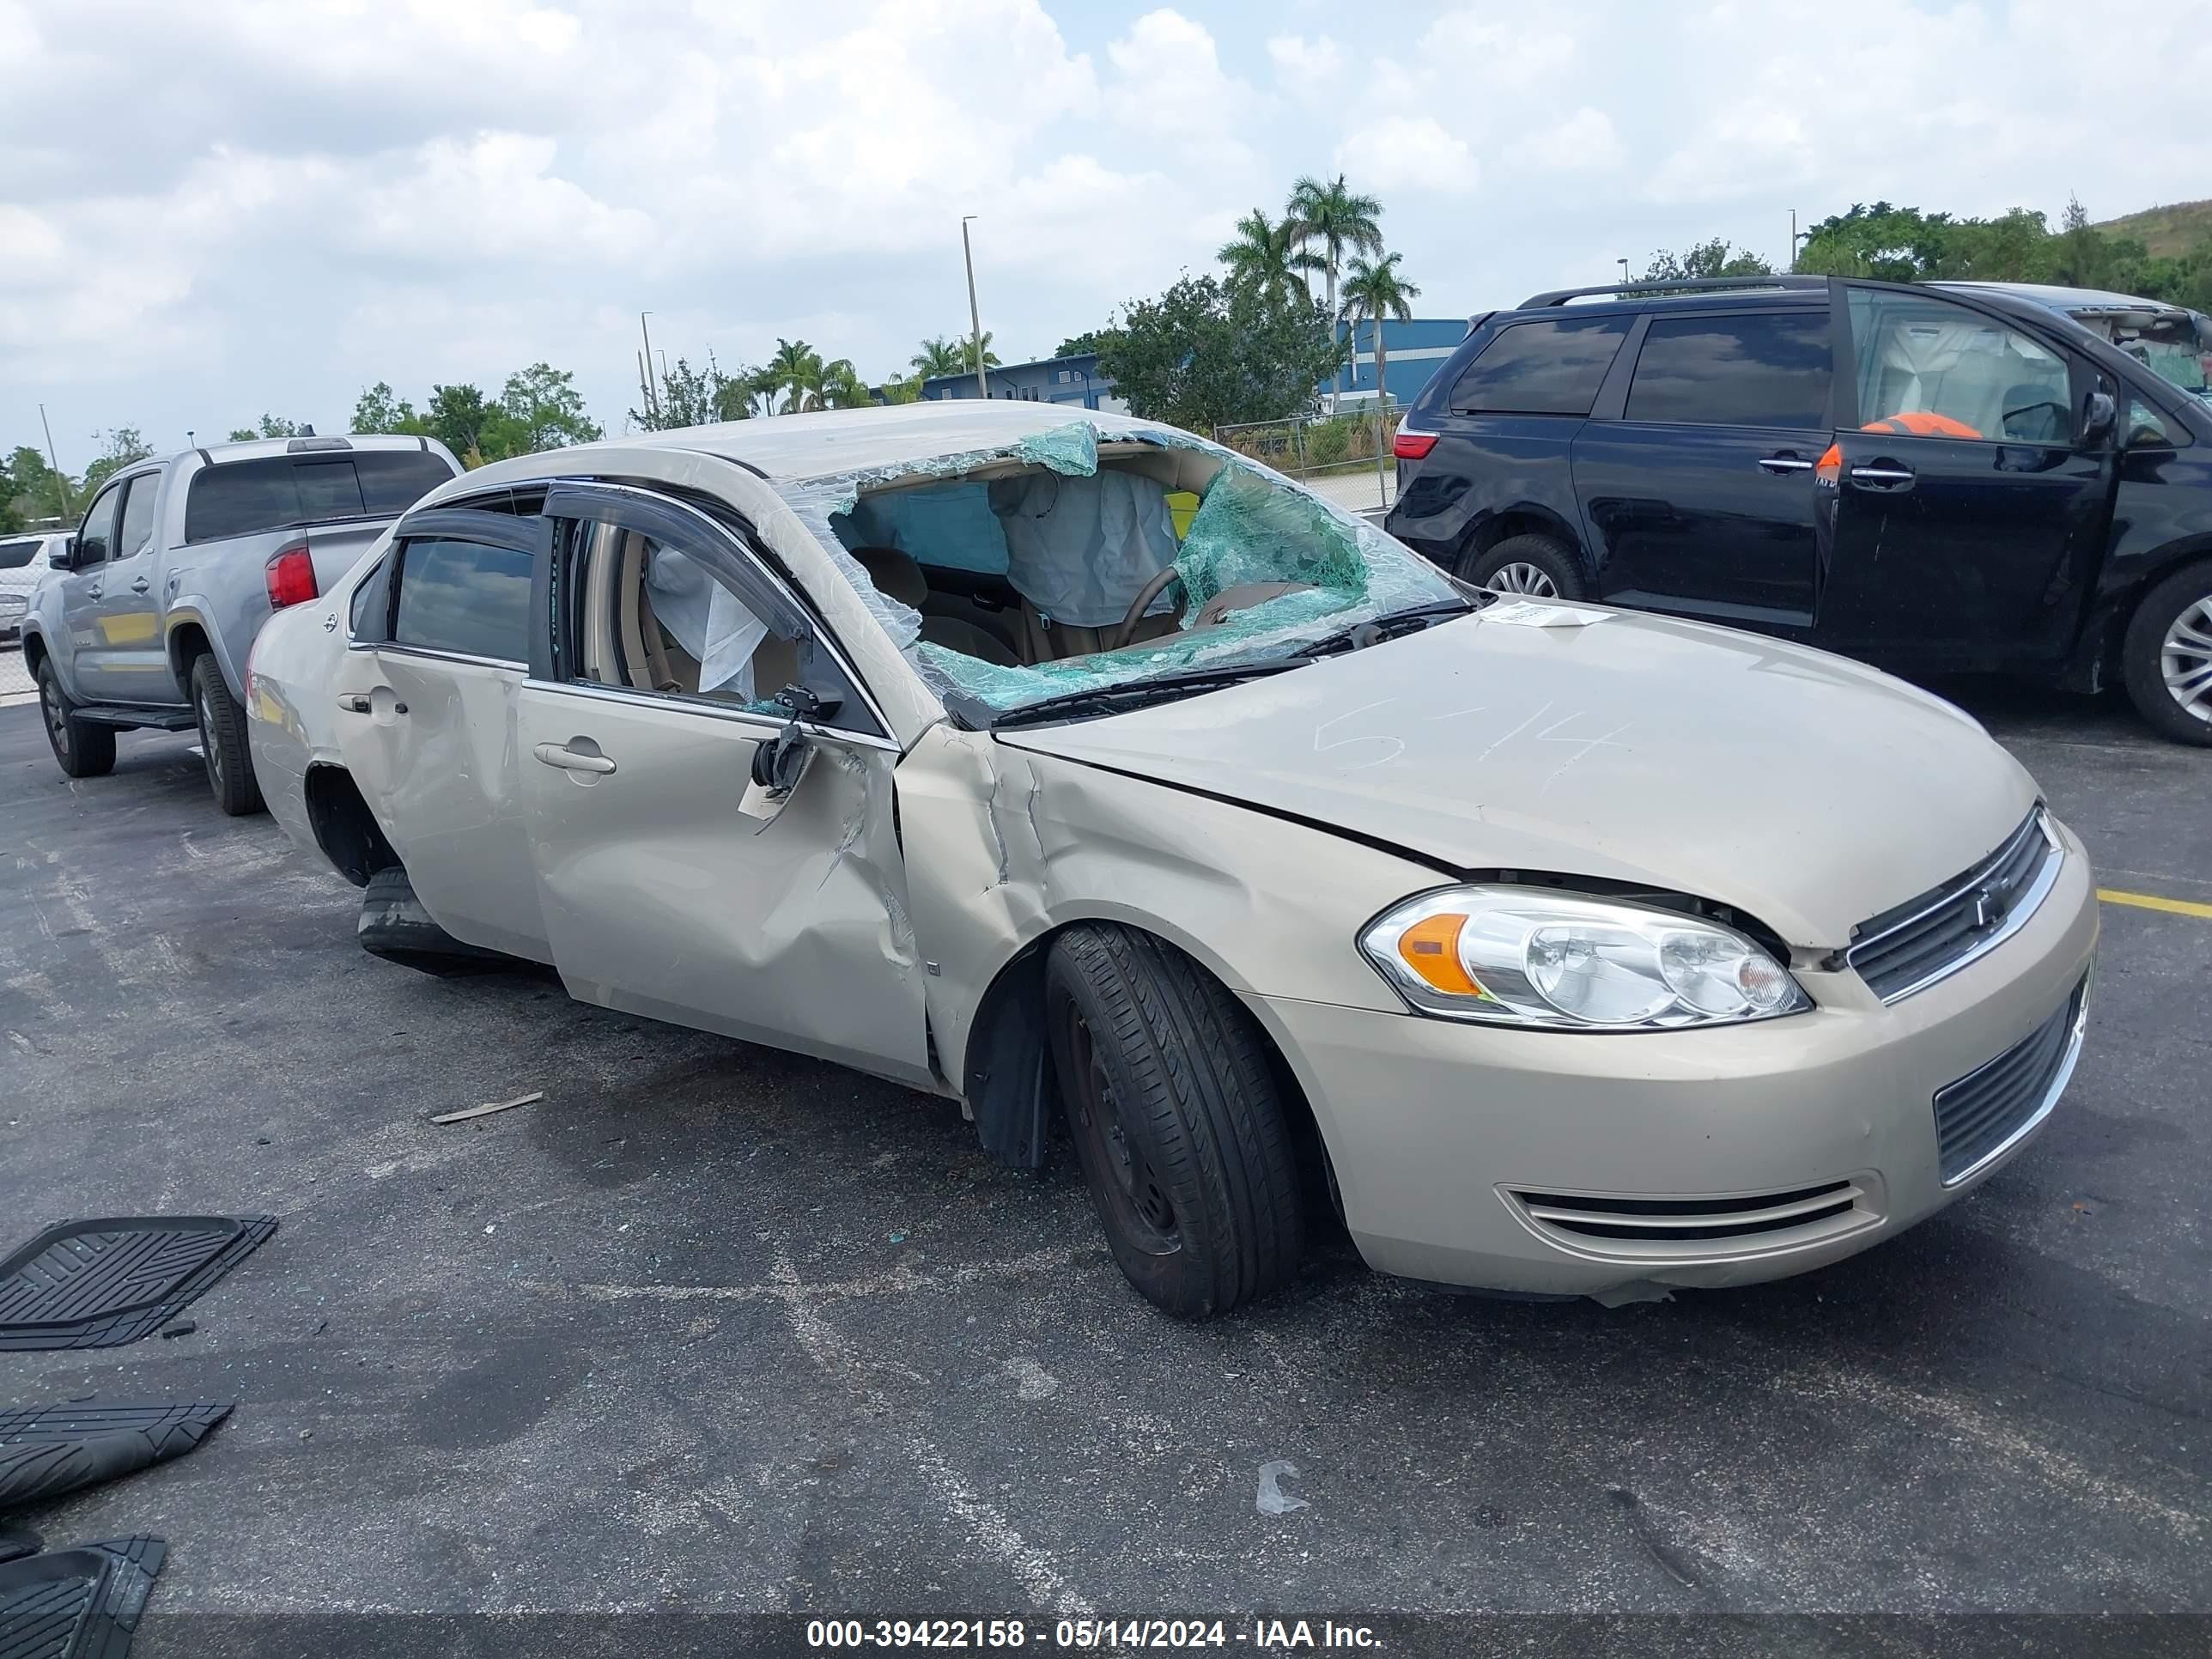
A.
pixel 290 576
pixel 1412 445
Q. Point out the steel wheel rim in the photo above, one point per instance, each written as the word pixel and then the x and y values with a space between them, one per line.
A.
pixel 2185 660
pixel 50 703
pixel 207 739
pixel 1143 1212
pixel 1528 581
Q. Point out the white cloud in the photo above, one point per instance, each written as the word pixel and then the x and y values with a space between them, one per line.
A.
pixel 1407 152
pixel 280 200
pixel 1585 141
pixel 1311 68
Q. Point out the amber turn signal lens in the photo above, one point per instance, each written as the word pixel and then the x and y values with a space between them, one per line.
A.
pixel 1431 948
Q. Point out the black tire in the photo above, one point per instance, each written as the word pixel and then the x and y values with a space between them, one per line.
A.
pixel 223 747
pixel 394 926
pixel 2142 654
pixel 1539 553
pixel 81 749
pixel 1175 1119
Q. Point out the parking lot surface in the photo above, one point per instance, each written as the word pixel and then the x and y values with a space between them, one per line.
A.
pixel 713 1327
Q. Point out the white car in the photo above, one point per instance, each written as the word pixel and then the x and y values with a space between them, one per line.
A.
pixel 1565 950
pixel 23 562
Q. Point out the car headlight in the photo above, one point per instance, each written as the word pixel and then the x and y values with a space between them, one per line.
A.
pixel 1529 956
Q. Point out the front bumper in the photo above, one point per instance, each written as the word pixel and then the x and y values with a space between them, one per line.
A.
pixel 1456 1147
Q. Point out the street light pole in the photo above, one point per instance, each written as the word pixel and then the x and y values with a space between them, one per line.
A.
pixel 1623 264
pixel 652 392
pixel 974 316
pixel 61 478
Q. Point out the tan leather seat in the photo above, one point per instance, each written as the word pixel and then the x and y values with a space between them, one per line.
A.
pixel 898 576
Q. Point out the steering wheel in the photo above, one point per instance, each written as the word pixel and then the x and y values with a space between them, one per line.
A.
pixel 1150 591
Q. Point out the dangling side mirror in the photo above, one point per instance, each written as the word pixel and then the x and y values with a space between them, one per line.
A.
pixel 2099 415
pixel 778 765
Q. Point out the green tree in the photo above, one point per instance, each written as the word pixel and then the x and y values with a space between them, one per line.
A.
pixel 1333 220
pixel 36 491
pixel 11 514
pixel 901 388
pixel 1079 345
pixel 1376 293
pixel 795 371
pixel 539 408
pixel 1270 253
pixel 457 417
pixel 119 448
pixel 1712 259
pixel 1894 244
pixel 843 386
pixel 1207 354
pixel 379 410
pixel 939 356
pixel 2084 258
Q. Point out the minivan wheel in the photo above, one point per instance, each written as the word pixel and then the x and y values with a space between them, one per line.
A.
pixel 84 751
pixel 2166 656
pixel 223 741
pixel 1175 1119
pixel 1535 567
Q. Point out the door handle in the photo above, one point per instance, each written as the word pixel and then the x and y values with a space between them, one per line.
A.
pixel 141 586
pixel 560 755
pixel 93 592
pixel 353 703
pixel 1881 475
pixel 1784 462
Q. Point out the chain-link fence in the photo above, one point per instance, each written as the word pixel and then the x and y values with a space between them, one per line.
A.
pixel 1345 457
pixel 15 679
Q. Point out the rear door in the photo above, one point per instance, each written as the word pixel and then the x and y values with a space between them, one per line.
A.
pixel 669 888
pixel 427 721
pixel 1962 521
pixel 94 674
pixel 1695 475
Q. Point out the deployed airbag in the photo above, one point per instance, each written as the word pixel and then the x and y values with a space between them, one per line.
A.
pixel 707 620
pixel 1081 548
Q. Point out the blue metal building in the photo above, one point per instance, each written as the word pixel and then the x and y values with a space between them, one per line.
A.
pixel 1413 350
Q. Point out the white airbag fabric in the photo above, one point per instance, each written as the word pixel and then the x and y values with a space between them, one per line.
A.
pixel 1080 549
pixel 706 619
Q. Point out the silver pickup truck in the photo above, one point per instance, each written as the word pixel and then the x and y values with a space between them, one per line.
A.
pixel 147 620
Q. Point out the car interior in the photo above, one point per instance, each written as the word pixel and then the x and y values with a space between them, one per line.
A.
pixel 1999 383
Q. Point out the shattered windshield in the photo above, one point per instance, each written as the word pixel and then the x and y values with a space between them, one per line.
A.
pixel 2175 347
pixel 1070 563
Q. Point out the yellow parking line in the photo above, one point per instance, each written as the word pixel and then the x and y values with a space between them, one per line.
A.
pixel 2152 902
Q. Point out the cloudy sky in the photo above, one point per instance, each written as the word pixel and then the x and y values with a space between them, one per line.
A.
pixel 211 210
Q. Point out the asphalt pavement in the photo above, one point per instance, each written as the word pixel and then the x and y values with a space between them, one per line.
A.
pixel 713 1329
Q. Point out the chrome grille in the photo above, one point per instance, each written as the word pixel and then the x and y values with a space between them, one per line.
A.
pixel 1909 948
pixel 1993 1106
pixel 1615 1224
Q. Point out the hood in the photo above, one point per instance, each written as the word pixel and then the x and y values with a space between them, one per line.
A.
pixel 1808 791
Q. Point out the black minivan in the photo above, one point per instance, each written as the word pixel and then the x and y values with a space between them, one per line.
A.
pixel 1935 479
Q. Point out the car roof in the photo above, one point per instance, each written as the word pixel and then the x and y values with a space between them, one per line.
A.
pixel 2068 299
pixel 833 442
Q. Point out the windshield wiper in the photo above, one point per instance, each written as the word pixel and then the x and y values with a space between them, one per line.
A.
pixel 1133 694
pixel 1375 630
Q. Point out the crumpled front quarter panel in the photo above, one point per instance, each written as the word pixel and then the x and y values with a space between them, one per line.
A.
pixel 1004 845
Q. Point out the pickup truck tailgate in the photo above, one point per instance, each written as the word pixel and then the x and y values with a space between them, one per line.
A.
pixel 336 548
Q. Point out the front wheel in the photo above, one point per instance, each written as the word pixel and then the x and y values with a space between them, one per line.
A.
pixel 2166 656
pixel 223 741
pixel 1175 1119
pixel 83 749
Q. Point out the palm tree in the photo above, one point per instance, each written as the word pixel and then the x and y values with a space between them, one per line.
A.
pixel 1269 255
pixel 843 386
pixel 1337 220
pixel 939 356
pixel 1376 292
pixel 795 370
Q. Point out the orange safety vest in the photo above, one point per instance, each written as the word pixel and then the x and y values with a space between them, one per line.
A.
pixel 1922 424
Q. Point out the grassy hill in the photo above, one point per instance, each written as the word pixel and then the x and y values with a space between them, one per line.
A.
pixel 2167 232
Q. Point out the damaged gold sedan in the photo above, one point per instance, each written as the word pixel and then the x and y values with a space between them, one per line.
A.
pixel 1084 769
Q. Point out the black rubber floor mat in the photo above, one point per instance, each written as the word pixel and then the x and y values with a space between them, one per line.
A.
pixel 101 1283
pixel 77 1604
pixel 18 1540
pixel 47 1451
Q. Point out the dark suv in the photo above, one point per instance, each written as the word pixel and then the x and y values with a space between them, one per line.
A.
pixel 1933 479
